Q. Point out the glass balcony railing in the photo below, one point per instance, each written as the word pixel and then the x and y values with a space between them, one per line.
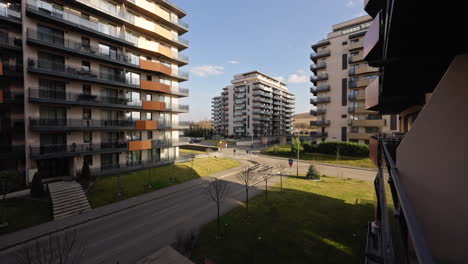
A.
pixel 10 12
pixel 79 124
pixel 53 150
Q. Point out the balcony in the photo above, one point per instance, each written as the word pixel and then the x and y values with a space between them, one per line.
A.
pixel 11 70
pixel 46 124
pixel 356 58
pixel 75 47
pixel 356 96
pixel 352 84
pixel 63 150
pixel 181 75
pixel 359 110
pixel 319 134
pixel 10 15
pixel 318 111
pixel 156 67
pixel 367 123
pixel 318 66
pixel 7 98
pixel 11 43
pixel 323 99
pixel 12 152
pixel 61 70
pixel 320 77
pixel 319 54
pixel 320 123
pixel 356 45
pixel 323 87
pixel 54 14
pixel 58 97
pixel 363 82
pixel 362 136
pixel 364 68
pixel 179 108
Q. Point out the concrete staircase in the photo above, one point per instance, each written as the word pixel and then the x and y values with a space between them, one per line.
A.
pixel 68 199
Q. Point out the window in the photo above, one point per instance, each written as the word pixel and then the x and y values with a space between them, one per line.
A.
pixel 354 53
pixel 108 51
pixel 133 58
pixel 366 141
pixel 393 122
pixel 132 78
pixel 354 140
pixel 85 42
pixel 373 117
pixel 87 137
pixel 344 116
pixel 148 58
pixel 149 78
pixel 86 66
pixel 149 116
pixel 344 62
pixel 87 89
pixel 354 40
pixel 134 135
pixel 50 35
pixel 344 43
pixel 150 135
pixel 88 159
pixel 354 130
pixel 132 115
pixel 86 114
pixel 344 131
pixel 344 92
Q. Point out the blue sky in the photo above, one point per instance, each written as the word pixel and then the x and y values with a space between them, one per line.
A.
pixel 228 37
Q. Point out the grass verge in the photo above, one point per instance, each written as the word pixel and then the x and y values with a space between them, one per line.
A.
pixel 305 223
pixel 24 212
pixel 135 183
pixel 190 151
pixel 284 151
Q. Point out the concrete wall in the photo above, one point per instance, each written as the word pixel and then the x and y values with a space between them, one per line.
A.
pixel 432 161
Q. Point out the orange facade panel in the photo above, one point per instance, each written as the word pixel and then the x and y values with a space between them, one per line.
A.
pixel 155 86
pixel 146 125
pixel 1 96
pixel 157 106
pixel 166 51
pixel 139 145
pixel 155 66
pixel 1 68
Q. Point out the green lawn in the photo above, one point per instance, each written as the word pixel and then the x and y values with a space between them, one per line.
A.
pixel 133 184
pixel 305 223
pixel 285 152
pixel 23 212
pixel 215 141
pixel 190 151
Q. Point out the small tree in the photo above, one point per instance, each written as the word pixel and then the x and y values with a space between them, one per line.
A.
pixel 266 175
pixel 37 187
pixel 57 249
pixel 312 173
pixel 296 144
pixel 85 174
pixel 247 177
pixel 218 191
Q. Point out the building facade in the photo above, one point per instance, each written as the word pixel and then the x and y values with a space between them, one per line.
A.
pixel 340 76
pixel 254 105
pixel 421 203
pixel 91 81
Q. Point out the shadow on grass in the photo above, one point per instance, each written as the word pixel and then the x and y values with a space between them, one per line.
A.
pixel 25 212
pixel 293 226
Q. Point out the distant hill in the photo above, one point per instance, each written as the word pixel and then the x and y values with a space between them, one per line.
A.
pixel 303 115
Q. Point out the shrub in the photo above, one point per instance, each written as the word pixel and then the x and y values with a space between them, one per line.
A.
pixel 85 176
pixel 309 147
pixel 312 173
pixel 345 149
pixel 37 187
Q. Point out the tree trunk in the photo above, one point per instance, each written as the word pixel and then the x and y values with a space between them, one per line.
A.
pixel 266 190
pixel 247 200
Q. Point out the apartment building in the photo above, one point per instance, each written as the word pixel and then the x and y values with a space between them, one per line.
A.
pixel 340 76
pixel 421 212
pixel 254 105
pixel 91 81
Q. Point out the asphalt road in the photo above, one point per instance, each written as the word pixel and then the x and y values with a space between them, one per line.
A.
pixel 133 234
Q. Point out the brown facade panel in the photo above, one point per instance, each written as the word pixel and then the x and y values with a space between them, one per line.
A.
pixel 155 66
pixel 372 94
pixel 155 86
pixel 139 145
pixel 151 105
pixel 146 125
pixel 372 36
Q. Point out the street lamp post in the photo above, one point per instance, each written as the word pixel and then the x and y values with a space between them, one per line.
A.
pixel 298 146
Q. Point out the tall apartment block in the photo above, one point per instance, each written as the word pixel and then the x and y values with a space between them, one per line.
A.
pixel 421 212
pixel 91 81
pixel 340 76
pixel 254 105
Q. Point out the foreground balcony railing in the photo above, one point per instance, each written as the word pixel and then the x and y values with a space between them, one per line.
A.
pixel 10 13
pixel 53 96
pixel 11 42
pixel 110 169
pixel 60 150
pixel 394 236
pixel 45 124
pixel 62 70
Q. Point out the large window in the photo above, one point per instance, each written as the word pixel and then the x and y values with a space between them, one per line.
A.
pixel 50 35
pixel 132 78
pixel 372 130
pixel 51 89
pixel 134 157
pixel 109 160
pixel 133 115
pixel 108 51
pixel 111 74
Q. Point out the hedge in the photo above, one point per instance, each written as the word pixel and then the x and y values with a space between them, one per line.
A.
pixel 349 149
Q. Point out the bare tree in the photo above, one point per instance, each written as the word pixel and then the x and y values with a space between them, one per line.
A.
pixel 56 249
pixel 218 191
pixel 266 175
pixel 247 177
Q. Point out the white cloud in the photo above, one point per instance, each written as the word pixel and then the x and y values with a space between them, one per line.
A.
pixel 207 70
pixel 296 79
pixel 353 3
pixel 279 78
pixel 233 62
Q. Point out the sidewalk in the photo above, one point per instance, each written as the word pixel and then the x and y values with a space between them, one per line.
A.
pixel 13 239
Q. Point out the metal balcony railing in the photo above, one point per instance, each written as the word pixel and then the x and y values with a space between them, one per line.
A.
pixel 320 123
pixel 13 42
pixel 54 150
pixel 79 124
